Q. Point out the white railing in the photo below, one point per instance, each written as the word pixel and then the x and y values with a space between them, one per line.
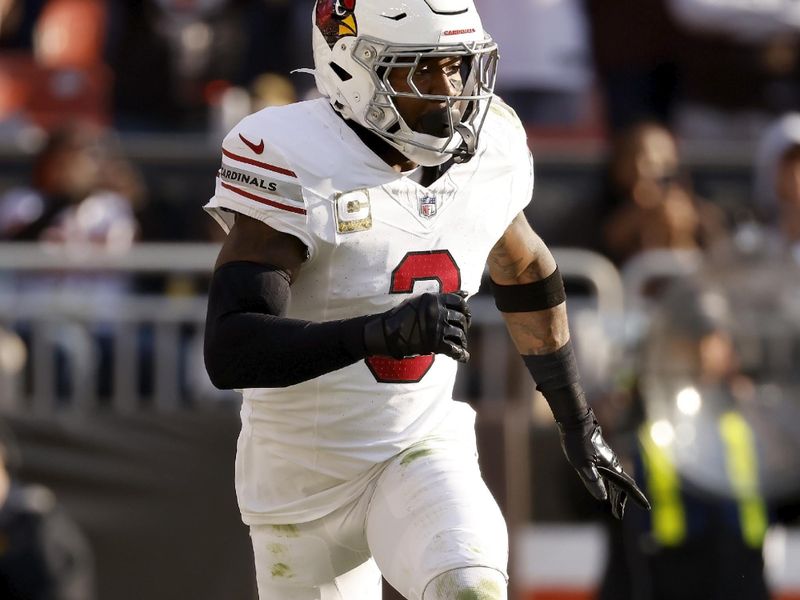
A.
pixel 82 321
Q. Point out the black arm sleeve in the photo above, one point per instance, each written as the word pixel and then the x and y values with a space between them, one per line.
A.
pixel 249 344
pixel 556 377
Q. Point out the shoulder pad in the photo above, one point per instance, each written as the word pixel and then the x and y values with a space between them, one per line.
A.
pixel 503 118
pixel 253 142
pixel 507 150
pixel 505 133
pixel 255 168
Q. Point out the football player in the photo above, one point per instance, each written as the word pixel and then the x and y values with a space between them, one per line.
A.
pixel 358 225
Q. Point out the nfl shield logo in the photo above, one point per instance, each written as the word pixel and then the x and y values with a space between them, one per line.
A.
pixel 427 206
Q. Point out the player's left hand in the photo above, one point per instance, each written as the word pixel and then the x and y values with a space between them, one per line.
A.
pixel 598 465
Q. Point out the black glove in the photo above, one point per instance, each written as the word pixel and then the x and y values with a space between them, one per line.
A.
pixel 425 324
pixel 598 466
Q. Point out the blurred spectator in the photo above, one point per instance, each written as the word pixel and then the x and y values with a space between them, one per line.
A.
pixel 271 89
pixel 742 20
pixel 196 50
pixel 60 75
pixel 653 204
pixel 70 79
pixel 13 358
pixel 17 18
pixel 280 40
pixel 235 103
pixel 710 447
pixel 15 122
pixel 80 193
pixel 43 555
pixel 70 34
pixel 725 43
pixel 777 184
pixel 139 56
pixel 83 197
pixel 546 73
pixel 634 44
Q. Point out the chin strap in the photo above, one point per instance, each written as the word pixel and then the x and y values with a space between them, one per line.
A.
pixel 467 148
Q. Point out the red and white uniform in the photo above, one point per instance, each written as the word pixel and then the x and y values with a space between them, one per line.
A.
pixel 374 237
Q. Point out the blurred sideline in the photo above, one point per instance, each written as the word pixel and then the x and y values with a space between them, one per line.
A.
pixel 565 562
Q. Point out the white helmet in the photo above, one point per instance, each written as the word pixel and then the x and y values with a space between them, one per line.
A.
pixel 358 42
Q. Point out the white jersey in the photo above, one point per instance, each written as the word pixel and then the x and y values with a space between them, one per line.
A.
pixel 374 238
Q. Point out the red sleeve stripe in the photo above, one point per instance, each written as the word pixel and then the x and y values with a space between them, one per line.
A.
pixel 267 201
pixel 257 163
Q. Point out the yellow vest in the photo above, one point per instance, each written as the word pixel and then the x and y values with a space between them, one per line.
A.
pixel 741 462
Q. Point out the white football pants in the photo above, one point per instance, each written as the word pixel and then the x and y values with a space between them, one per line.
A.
pixel 427 513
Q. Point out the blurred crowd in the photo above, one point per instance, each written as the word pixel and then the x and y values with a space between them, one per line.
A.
pixel 643 76
pixel 81 79
pixel 157 65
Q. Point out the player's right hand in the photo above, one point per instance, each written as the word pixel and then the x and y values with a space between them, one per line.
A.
pixel 425 324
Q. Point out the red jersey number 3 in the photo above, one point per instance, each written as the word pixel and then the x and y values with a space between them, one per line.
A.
pixel 432 265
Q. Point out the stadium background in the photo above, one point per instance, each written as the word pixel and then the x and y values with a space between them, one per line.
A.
pixel 111 114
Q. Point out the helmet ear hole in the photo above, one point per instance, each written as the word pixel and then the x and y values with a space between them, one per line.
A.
pixel 340 72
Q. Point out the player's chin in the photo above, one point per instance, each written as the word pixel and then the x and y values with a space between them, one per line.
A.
pixel 437 122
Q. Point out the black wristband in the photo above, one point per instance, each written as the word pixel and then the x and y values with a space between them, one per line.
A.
pixel 555 370
pixel 569 406
pixel 530 297
pixel 556 376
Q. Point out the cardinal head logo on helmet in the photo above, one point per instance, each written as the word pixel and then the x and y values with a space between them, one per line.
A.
pixel 336 19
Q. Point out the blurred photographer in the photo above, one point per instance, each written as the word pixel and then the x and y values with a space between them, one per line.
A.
pixel 43 554
pixel 713 422
pixel 777 185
